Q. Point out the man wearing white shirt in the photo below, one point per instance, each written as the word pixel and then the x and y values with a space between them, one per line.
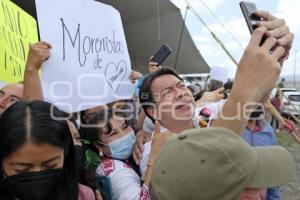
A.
pixel 165 98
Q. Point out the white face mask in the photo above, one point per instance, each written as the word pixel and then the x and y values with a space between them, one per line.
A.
pixel 122 148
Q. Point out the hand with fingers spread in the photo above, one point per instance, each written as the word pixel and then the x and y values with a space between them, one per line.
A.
pixel 141 138
pixel 134 75
pixel 38 53
pixel 276 28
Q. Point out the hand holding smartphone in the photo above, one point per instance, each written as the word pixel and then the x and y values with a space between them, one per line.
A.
pixel 161 55
pixel 248 10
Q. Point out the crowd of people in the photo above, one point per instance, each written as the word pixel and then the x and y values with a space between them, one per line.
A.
pixel 177 142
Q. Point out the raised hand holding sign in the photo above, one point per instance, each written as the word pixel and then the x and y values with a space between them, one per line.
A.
pixel 89 63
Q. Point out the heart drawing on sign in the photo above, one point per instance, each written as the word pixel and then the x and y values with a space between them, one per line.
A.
pixel 114 74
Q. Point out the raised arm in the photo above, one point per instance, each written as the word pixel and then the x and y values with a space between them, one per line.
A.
pixel 38 53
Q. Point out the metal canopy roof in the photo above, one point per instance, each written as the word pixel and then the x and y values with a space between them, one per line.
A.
pixel 140 20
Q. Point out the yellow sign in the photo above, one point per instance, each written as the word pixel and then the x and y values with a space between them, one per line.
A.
pixel 17 30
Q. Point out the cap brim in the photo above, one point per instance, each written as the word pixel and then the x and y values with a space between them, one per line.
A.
pixel 276 167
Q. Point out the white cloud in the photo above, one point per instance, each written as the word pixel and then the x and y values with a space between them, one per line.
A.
pixel 215 55
pixel 232 45
pixel 237 28
pixel 289 10
pixel 212 51
pixel 288 67
pixel 197 5
pixel 201 39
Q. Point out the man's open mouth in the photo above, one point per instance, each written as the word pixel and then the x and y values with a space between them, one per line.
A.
pixel 183 105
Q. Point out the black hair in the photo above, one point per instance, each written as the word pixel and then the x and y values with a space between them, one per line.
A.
pixel 228 85
pixel 257 113
pixel 90 131
pixel 215 84
pixel 35 121
pixel 93 128
pixel 146 96
pixel 196 90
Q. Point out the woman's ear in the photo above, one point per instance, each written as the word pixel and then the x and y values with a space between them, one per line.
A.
pixel 75 134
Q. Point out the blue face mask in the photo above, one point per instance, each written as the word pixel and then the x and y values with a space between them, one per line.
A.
pixel 122 148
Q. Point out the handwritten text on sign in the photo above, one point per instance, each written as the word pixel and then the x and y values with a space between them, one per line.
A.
pixel 17 30
pixel 89 63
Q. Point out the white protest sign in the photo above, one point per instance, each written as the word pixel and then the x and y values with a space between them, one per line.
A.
pixel 89 63
pixel 219 73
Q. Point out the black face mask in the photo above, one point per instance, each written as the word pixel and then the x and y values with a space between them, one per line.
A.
pixel 33 185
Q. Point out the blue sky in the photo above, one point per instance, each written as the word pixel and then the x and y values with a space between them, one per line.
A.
pixel 228 12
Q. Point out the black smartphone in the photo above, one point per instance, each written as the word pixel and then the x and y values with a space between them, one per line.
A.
pixel 161 55
pixel 103 184
pixel 248 10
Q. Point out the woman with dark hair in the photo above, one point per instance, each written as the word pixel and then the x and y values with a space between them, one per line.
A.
pixel 37 155
pixel 112 138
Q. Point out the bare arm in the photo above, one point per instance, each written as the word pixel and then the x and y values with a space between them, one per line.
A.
pixel 210 97
pixel 257 72
pixel 38 53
